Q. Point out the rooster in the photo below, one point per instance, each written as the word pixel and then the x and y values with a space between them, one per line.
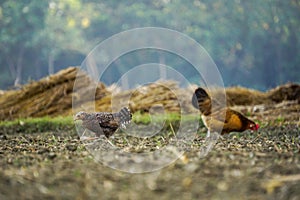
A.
pixel 225 120
pixel 104 123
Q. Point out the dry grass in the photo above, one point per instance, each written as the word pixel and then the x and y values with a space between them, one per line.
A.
pixel 52 96
pixel 154 97
pixel 290 91
pixel 245 96
pixel 49 96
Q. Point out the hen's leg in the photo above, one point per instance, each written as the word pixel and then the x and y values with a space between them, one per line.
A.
pixel 100 139
pixel 82 136
pixel 110 142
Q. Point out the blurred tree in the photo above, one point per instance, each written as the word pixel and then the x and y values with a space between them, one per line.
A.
pixel 254 43
pixel 19 21
pixel 64 26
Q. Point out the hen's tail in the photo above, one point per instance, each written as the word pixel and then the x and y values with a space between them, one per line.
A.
pixel 201 100
pixel 124 116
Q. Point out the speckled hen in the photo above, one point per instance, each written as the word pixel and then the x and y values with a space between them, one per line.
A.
pixel 104 123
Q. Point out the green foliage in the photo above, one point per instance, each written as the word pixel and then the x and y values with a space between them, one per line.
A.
pixel 146 118
pixel 20 22
pixel 57 124
pixel 170 121
pixel 36 125
pixel 254 43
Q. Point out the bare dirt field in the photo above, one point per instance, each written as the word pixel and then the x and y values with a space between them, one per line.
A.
pixel 259 165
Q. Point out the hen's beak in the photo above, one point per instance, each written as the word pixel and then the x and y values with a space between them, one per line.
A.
pixel 256 127
pixel 76 117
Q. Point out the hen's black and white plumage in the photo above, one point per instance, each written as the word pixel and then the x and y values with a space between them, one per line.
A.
pixel 104 123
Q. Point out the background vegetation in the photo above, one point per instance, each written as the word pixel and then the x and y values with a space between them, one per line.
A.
pixel 254 43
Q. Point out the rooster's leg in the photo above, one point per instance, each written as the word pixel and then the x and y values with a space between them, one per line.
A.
pixel 208 133
pixel 110 142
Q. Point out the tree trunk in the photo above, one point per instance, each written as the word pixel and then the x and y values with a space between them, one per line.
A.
pixel 51 63
pixel 19 67
pixel 16 67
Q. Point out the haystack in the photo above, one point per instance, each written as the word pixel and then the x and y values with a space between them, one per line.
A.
pixel 157 95
pixel 245 96
pixel 289 91
pixel 53 95
pixel 49 96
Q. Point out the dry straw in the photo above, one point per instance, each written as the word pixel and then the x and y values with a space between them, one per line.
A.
pixel 52 96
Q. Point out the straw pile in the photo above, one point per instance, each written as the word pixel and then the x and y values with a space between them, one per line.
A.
pixel 49 96
pixel 290 91
pixel 169 96
pixel 52 96
pixel 156 97
pixel 245 96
